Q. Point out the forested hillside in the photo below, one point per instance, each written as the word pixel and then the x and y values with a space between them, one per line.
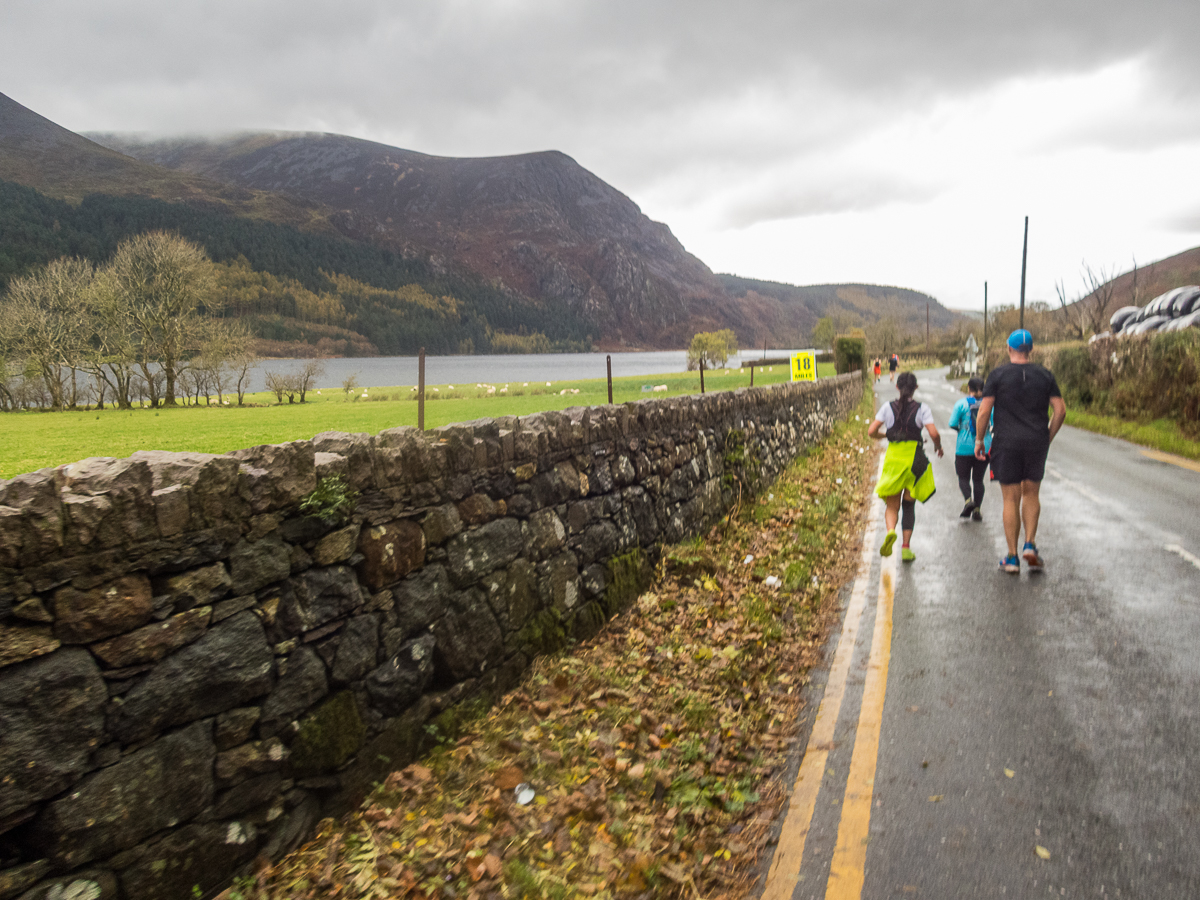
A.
pixel 291 285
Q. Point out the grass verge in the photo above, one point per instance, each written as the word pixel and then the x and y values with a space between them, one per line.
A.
pixel 33 439
pixel 1160 434
pixel 652 750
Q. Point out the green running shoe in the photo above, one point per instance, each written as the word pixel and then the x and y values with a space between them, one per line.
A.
pixel 907 555
pixel 886 549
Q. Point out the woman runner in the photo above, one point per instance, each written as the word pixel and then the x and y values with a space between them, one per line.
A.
pixel 907 475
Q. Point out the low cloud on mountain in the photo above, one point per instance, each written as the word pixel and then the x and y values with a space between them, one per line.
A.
pixel 689 107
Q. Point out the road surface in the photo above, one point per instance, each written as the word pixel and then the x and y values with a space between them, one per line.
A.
pixel 989 735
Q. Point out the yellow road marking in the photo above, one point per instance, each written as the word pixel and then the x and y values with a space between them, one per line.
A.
pixel 789 854
pixel 1182 461
pixel 848 868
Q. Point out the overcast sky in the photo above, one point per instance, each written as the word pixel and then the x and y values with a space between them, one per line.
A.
pixel 893 142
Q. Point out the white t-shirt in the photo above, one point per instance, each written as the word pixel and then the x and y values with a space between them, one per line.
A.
pixel 888 418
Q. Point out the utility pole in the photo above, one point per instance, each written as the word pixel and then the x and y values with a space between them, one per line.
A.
pixel 985 324
pixel 421 390
pixel 1024 255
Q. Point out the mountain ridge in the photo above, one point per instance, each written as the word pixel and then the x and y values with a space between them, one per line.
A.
pixel 536 228
pixel 541 223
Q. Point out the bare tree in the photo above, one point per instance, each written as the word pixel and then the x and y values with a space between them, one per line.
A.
pixel 308 374
pixel 162 279
pixel 1094 306
pixel 1069 310
pixel 224 358
pixel 277 384
pixel 242 360
pixel 112 344
pixel 1089 313
pixel 42 322
pixel 350 385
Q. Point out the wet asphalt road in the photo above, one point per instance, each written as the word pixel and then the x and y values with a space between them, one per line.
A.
pixel 1084 682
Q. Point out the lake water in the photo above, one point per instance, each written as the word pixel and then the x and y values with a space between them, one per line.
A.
pixel 389 371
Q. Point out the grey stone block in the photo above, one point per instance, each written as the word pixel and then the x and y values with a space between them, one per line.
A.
pixel 225 668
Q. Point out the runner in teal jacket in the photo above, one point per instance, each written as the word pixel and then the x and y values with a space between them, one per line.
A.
pixel 968 468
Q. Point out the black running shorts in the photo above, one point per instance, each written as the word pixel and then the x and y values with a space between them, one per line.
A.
pixel 1019 462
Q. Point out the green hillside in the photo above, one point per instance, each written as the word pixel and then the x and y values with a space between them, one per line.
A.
pixel 295 286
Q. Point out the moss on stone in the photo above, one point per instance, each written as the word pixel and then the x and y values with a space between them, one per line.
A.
pixel 449 724
pixel 329 736
pixel 544 633
pixel 587 621
pixel 741 460
pixel 628 575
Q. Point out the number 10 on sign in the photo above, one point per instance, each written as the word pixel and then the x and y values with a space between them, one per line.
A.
pixel 804 367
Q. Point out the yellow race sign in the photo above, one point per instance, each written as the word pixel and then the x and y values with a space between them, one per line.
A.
pixel 804 367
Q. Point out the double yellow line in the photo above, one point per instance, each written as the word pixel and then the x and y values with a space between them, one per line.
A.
pixel 848 867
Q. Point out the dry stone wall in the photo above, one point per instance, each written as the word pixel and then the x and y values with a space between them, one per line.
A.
pixel 193 670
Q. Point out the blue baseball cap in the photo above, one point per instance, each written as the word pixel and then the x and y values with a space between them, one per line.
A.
pixel 1021 341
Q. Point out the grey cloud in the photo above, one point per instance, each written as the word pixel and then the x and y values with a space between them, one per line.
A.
pixel 454 65
pixel 857 195
pixel 1184 223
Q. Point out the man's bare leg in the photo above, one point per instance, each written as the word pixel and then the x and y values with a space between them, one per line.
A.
pixel 1012 515
pixel 1031 509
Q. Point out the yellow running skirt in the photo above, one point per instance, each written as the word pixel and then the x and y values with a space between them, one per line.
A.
pixel 905 466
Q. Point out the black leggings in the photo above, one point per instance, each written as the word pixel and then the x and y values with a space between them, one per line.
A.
pixel 970 470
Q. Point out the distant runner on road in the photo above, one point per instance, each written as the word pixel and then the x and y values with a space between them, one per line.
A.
pixel 1021 393
pixel 907 475
pixel 893 365
pixel 969 469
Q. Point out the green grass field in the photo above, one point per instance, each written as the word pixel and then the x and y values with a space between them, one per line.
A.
pixel 32 440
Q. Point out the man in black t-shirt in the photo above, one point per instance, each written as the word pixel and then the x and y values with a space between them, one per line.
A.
pixel 1021 393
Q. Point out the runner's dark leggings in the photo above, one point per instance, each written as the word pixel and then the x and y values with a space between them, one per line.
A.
pixel 970 470
pixel 908 514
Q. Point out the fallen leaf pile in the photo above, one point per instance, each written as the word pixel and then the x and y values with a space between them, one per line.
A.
pixel 643 763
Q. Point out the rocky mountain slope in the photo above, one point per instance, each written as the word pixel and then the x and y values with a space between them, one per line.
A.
pixel 540 222
pixel 531 237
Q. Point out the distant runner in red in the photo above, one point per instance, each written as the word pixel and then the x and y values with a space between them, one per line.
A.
pixel 1022 393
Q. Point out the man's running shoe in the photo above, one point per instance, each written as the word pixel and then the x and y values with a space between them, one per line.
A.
pixel 886 549
pixel 967 510
pixel 907 555
pixel 1032 559
pixel 1011 564
pixel 976 515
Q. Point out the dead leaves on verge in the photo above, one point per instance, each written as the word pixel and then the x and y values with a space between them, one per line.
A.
pixel 642 764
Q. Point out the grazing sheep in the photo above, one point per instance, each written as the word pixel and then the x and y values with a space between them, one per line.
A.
pixel 660 387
